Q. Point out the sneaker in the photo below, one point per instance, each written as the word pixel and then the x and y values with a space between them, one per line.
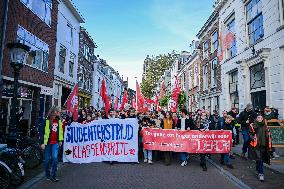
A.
pixel 150 161
pixel 230 166
pixel 184 163
pixel 204 168
pixel 48 178
pixel 275 155
pixel 145 160
pixel 261 177
pixel 54 179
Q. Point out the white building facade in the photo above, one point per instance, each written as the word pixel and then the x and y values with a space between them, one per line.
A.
pixel 253 65
pixel 67 49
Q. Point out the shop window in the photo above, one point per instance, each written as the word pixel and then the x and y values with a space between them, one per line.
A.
pixel 254 21
pixel 62 59
pixel 39 53
pixel 42 8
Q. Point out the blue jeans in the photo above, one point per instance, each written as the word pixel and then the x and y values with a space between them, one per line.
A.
pixel 259 166
pixel 226 158
pixel 51 158
pixel 183 156
pixel 147 154
pixel 245 133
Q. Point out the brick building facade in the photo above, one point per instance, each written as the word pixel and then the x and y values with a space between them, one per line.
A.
pixel 34 24
pixel 210 69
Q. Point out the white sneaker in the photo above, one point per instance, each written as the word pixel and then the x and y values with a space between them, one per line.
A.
pixel 184 163
pixel 145 160
pixel 261 177
pixel 275 155
pixel 150 161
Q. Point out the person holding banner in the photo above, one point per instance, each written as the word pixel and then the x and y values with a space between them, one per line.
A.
pixel 203 124
pixel 225 158
pixel 147 153
pixel 167 123
pixel 184 124
pixel 52 139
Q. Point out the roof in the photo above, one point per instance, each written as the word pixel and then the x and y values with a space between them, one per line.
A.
pixel 74 10
pixel 208 23
pixel 82 29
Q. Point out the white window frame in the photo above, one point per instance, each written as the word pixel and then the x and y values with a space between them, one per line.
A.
pixel 74 60
pixel 36 45
pixel 62 46
pixel 205 52
pixel 70 29
pixel 205 77
pixel 212 42
pixel 281 12
pixel 214 77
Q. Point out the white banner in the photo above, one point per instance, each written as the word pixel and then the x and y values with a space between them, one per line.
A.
pixel 102 140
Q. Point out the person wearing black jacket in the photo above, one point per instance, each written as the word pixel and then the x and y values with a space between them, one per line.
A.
pixel 183 124
pixel 234 113
pixel 246 118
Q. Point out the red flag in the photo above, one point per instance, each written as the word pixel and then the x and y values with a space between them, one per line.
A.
pixel 104 96
pixel 72 102
pixel 133 102
pixel 124 100
pixel 139 99
pixel 174 98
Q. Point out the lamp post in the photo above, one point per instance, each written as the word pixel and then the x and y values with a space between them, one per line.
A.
pixel 18 52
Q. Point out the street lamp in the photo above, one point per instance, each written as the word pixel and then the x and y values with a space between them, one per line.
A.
pixel 18 53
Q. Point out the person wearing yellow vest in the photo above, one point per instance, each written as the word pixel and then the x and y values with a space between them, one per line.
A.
pixel 52 139
pixel 260 144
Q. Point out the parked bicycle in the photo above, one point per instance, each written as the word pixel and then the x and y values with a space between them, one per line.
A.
pixel 11 167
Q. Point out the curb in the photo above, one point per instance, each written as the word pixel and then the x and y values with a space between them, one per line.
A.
pixel 240 184
pixel 37 179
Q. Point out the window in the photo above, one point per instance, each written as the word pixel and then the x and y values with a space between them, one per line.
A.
pixel 214 72
pixel 71 64
pixel 42 8
pixel 232 49
pixel 69 34
pixel 281 11
pixel 233 89
pixel 38 55
pixel 196 75
pixel 190 78
pixel 205 49
pixel 257 76
pixel 214 41
pixel 205 77
pixel 254 21
pixel 62 59
pixel 87 53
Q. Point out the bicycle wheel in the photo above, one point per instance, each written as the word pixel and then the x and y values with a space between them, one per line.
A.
pixel 17 176
pixel 32 156
pixel 4 177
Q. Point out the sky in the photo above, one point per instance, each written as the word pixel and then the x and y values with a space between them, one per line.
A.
pixel 126 31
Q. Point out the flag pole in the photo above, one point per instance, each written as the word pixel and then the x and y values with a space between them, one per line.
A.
pixel 136 100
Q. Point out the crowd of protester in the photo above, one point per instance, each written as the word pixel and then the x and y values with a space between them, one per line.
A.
pixel 252 124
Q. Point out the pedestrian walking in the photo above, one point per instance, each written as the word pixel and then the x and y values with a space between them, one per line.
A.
pixel 52 139
pixel 260 145
pixel 167 123
pixel 246 118
pixel 183 124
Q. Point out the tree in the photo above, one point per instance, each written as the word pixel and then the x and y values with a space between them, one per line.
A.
pixel 155 68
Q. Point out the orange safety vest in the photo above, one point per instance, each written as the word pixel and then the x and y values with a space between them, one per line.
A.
pixel 254 142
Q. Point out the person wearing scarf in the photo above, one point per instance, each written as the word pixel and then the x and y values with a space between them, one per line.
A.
pixel 260 144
